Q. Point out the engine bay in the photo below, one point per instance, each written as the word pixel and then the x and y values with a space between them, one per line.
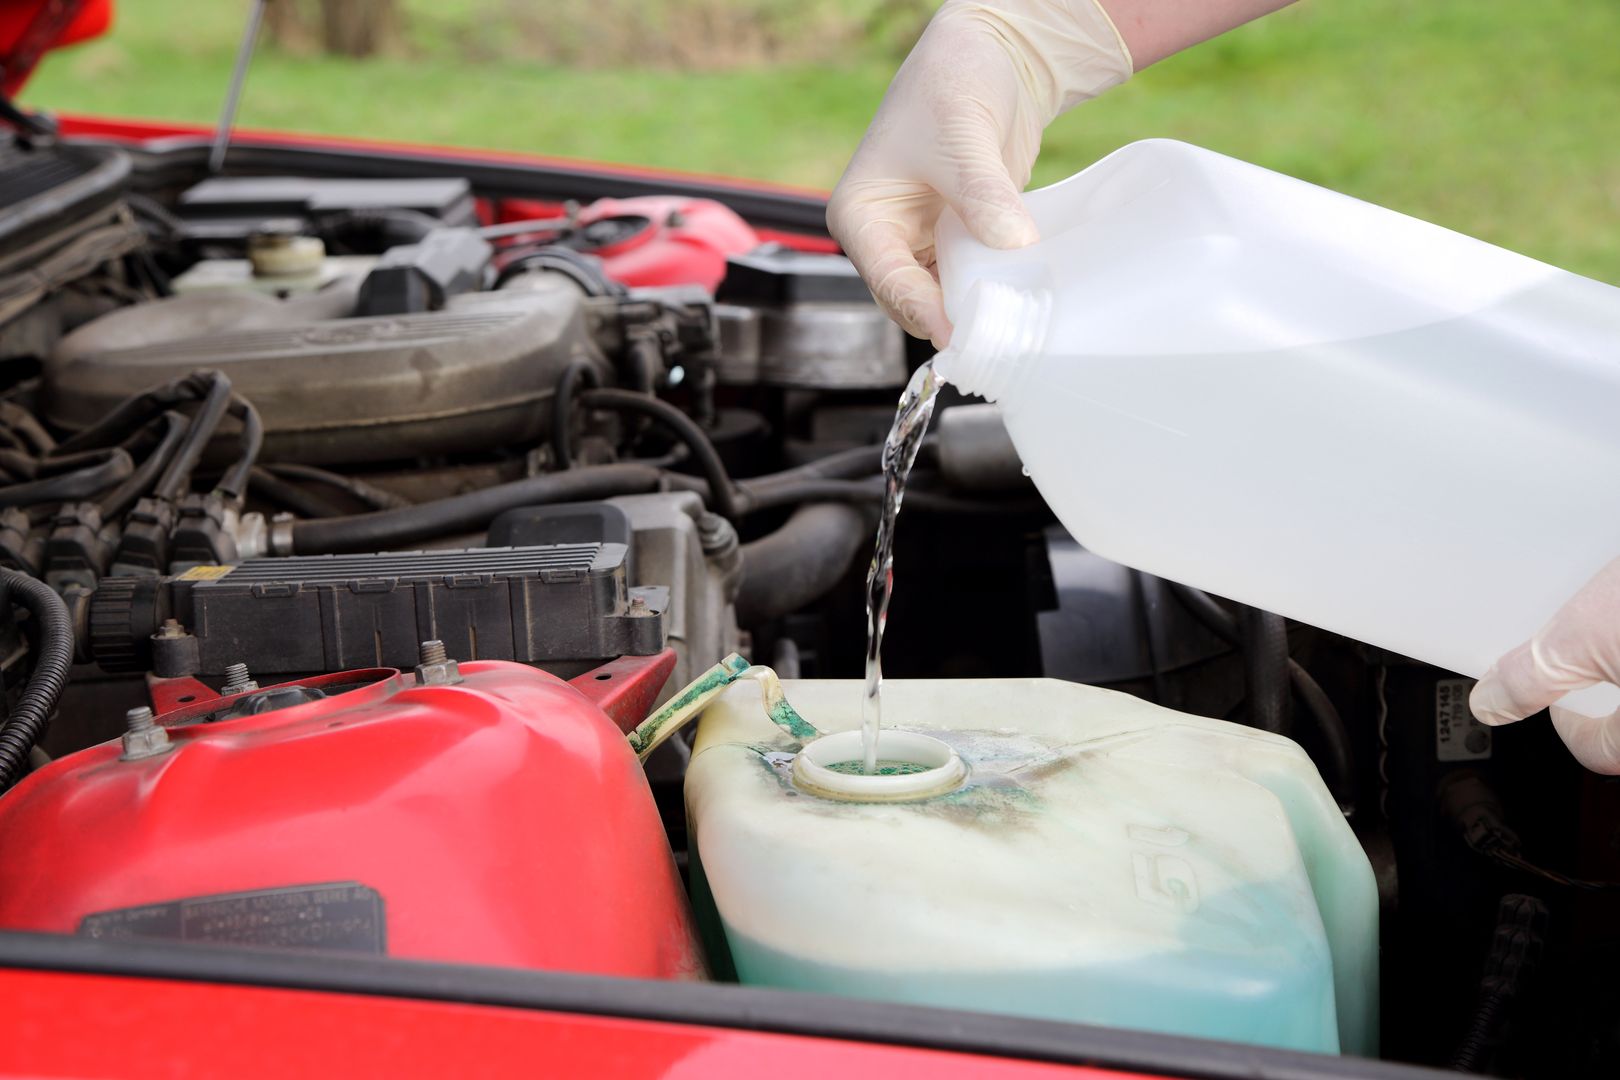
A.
pixel 332 432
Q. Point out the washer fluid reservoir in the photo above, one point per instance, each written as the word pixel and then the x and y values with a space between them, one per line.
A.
pixel 1039 848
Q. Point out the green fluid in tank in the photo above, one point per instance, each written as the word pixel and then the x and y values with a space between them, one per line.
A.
pixel 1281 997
pixel 885 767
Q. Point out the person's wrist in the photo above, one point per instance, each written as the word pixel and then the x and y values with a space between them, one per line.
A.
pixel 1063 51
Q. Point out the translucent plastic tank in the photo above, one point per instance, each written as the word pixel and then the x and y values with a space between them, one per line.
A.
pixel 1071 853
pixel 1283 395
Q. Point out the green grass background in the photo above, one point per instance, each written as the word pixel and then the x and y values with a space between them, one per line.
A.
pixel 1499 118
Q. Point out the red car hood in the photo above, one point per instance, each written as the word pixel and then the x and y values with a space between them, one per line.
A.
pixel 31 28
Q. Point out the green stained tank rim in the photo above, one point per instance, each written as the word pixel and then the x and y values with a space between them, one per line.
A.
pixel 932 768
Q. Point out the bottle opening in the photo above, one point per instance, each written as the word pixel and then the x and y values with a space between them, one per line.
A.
pixel 910 766
pixel 998 326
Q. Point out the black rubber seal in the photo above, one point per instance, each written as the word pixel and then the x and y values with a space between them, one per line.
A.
pixel 167 161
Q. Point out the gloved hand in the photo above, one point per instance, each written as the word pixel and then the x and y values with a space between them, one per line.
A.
pixel 1580 646
pixel 960 126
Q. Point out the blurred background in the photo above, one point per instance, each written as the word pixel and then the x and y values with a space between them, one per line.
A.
pixel 1498 118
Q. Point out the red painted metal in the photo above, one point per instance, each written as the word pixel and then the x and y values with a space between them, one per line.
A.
pixel 503 820
pixel 138 131
pixel 31 28
pixel 625 689
pixel 823 245
pixel 679 241
pixel 168 695
pixel 154 1028
pixel 685 241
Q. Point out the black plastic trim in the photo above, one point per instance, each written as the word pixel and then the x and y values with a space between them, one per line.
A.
pixel 706 1004
pixel 183 159
pixel 65 206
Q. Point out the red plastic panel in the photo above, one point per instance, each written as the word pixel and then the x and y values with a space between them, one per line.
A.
pixel 143 1028
pixel 686 241
pixel 502 821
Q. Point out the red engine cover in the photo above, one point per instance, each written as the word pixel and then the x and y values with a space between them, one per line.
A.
pixel 503 820
pixel 661 239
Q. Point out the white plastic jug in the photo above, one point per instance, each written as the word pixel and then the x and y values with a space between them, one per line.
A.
pixel 1074 854
pixel 1294 399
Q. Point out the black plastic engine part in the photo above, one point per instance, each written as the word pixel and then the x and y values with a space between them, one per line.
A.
pixel 779 275
pixel 21 546
pixel 144 548
pixel 792 318
pixel 568 523
pixel 974 451
pixel 226 210
pixel 124 613
pixel 1111 626
pixel 50 189
pixel 422 276
pixel 202 531
pixel 79 546
pixel 563 602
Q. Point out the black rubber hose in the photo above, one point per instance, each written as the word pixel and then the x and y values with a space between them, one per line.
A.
pixel 135 412
pixel 848 464
pixel 722 495
pixel 27 427
pixel 121 498
pixel 216 402
pixel 802 561
pixel 28 467
pixel 643 358
pixel 373 496
pixel 385 529
pixel 69 487
pixel 169 223
pixel 251 440
pixel 272 488
pixel 1484 1028
pixel 766 493
pixel 1265 667
pixel 562 408
pixel 1339 759
pixel 22 729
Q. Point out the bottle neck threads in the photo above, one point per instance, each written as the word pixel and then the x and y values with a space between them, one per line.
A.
pixel 999 326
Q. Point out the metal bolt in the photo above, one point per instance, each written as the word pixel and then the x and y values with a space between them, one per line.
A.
pixel 143 737
pixel 237 681
pixel 171 628
pixel 436 668
pixel 716 536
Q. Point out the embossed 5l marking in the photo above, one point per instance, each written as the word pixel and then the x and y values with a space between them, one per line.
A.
pixel 1162 879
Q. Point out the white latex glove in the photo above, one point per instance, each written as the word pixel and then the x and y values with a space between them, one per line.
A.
pixel 1579 647
pixel 960 126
